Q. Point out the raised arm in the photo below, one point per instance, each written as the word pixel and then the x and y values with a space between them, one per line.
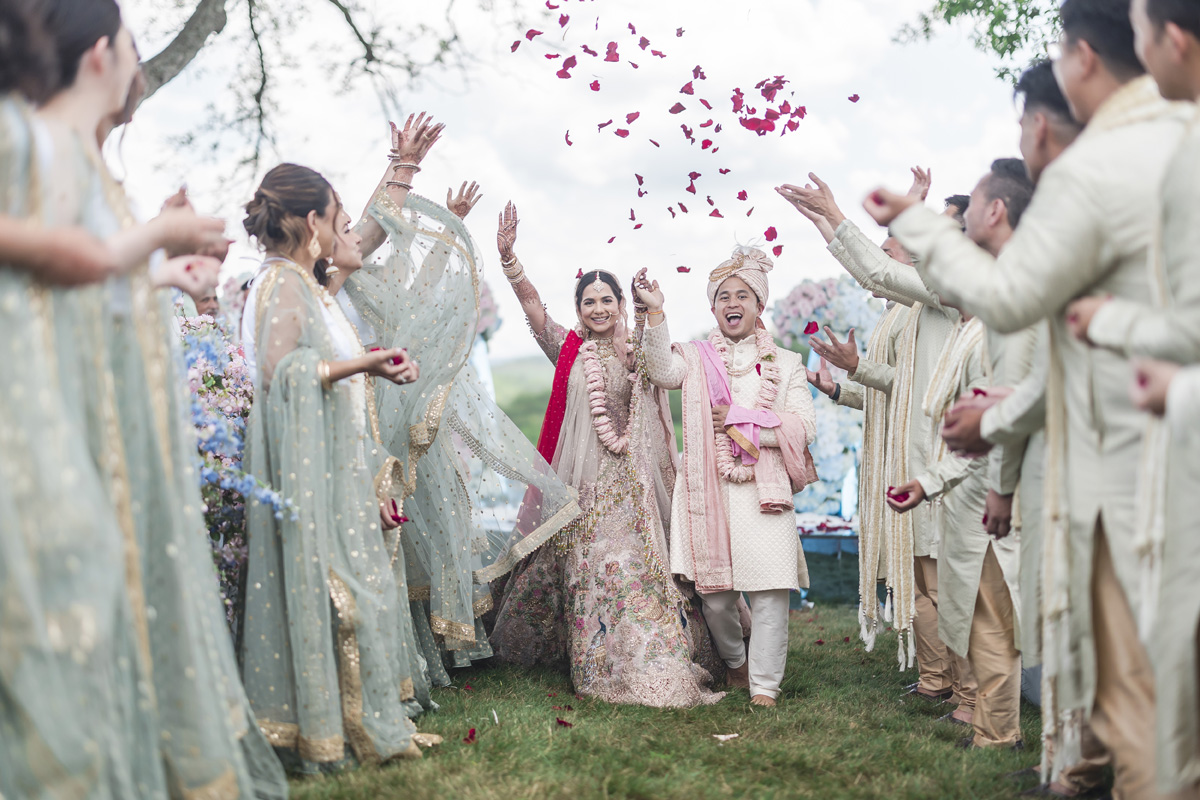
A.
pixel 665 367
pixel 526 292
pixel 410 145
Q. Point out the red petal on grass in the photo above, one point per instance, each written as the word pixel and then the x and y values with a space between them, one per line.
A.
pixel 707 143
pixel 854 98
pixel 641 181
pixel 698 73
pixel 679 32
pixel 724 171
pixel 684 270
pixel 622 133
pixel 706 124
pixel 529 34
pixel 552 56
pixel 677 108
pixel 613 239
pixel 516 44
pixel 551 694
pixel 777 250
pixel 568 138
pixel 631 118
pixel 656 144
pixel 589 51
pixel 563 19
pixel 811 328
pixel 603 125
pixel 467 687
pixel 706 104
pixel 820 641
pixel 594 86
pixel 612 52
pixel 846 640
pixel 742 195
pixel 683 208
pixel 563 722
pixel 658 53
pixel 470 737
pixel 771 234
pixel 635 227
pixel 687 88
pixel 643 43
pixel 716 213
pixel 672 210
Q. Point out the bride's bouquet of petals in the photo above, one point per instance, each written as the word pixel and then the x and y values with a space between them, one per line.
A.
pixel 222 393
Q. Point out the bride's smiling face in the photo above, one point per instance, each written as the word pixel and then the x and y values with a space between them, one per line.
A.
pixel 599 308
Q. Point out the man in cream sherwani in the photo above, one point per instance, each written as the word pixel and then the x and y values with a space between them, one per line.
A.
pixel 748 421
pixel 1088 230
pixel 928 327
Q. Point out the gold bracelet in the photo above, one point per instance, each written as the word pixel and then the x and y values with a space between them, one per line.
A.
pixel 659 313
pixel 400 184
pixel 323 372
pixel 508 262
pixel 517 278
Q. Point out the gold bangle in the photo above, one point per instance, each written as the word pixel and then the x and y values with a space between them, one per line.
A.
pixel 399 184
pixel 508 262
pixel 323 372
pixel 659 313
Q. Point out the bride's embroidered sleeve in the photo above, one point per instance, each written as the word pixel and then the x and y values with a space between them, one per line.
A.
pixel 665 367
pixel 551 338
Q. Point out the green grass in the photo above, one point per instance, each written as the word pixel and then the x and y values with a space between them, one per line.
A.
pixel 841 731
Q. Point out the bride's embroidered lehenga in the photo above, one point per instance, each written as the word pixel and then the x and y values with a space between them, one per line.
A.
pixel 602 597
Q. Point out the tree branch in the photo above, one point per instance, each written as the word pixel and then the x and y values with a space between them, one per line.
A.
pixel 208 18
pixel 368 48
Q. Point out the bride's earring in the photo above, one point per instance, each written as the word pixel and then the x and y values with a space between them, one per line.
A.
pixel 314 246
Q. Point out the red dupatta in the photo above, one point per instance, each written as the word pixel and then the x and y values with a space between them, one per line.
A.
pixel 557 409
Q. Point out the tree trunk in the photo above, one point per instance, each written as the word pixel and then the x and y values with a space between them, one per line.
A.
pixel 208 19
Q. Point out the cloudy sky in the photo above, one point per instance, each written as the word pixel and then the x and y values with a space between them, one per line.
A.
pixel 937 104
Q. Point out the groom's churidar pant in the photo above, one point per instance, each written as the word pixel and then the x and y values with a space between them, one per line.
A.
pixel 768 635
pixel 939 668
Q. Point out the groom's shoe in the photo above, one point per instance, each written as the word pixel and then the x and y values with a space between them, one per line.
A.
pixel 762 700
pixel 739 677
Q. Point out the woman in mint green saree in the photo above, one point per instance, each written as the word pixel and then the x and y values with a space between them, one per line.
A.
pixel 328 666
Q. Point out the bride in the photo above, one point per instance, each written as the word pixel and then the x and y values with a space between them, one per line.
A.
pixel 602 597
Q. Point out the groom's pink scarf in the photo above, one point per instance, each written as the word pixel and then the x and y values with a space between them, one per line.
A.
pixel 779 472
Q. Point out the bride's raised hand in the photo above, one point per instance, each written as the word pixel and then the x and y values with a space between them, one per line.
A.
pixel 506 235
pixel 413 142
pixel 648 292
pixel 462 204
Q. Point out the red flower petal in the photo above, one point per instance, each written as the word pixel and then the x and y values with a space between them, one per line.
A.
pixel 687 88
pixel 710 200
pixel 562 73
pixel 579 275
pixel 683 208
pixel 568 138
pixel 516 44
pixel 642 193
pixel 800 112
pixel 563 19
pixel 677 108
pixel 854 98
pixel 698 73
pixel 693 175
pixel 877 198
pixel 552 56
pixel 985 520
pixel 529 34
pixel 630 118
pixel 563 722
pixel 820 641
pixel 613 239
pixel 771 114
pixel 672 210
pixel 724 171
pixel 467 687
pixel 612 52
pixel 691 187
pixel 715 149
pixel 742 195
pixel 687 132
pixel 635 66
pixel 635 227
pixel 792 124
pixel 603 125
pixel 656 144
pixel 771 234
pixel 846 640
pixel 777 250
pixel 786 108
pixel 706 104
pixel 589 51
pixel 679 32
pixel 811 328
pixel 706 124
pixel 738 99
pixel 470 738
pixel 751 211
pixel 550 6
pixel 621 132
pixel 641 181
pixel 707 143
pixel 717 129
pixel 684 270
pixel 716 213
pixel 643 43
pixel 569 62
pixel 632 216
pixel 980 392
pixel 658 53
pixel 632 29
pixel 595 86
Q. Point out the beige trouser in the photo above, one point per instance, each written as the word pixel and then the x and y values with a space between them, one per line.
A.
pixel 995 661
pixel 940 669
pixel 1123 714
pixel 768 635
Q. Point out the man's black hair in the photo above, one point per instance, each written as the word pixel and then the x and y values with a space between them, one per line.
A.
pixel 1040 91
pixel 1184 13
pixel 1009 181
pixel 959 201
pixel 1105 26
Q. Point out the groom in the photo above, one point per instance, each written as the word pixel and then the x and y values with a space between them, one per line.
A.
pixel 748 419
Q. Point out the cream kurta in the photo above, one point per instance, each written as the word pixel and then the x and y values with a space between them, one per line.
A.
pixel 1088 230
pixel 888 278
pixel 765 548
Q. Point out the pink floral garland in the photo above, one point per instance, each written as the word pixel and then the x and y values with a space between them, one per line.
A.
pixel 598 397
pixel 733 470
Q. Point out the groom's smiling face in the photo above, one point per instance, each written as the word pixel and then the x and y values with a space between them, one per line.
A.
pixel 736 308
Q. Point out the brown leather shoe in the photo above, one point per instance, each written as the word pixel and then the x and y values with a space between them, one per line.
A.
pixel 738 678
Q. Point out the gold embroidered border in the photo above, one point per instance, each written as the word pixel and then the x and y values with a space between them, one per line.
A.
pixel 528 544
pixel 350 674
pixel 483 605
pixel 223 788
pixel 452 630
pixel 286 735
pixel 418 593
pixel 407 690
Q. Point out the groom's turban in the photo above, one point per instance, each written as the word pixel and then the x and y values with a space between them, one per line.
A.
pixel 747 263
